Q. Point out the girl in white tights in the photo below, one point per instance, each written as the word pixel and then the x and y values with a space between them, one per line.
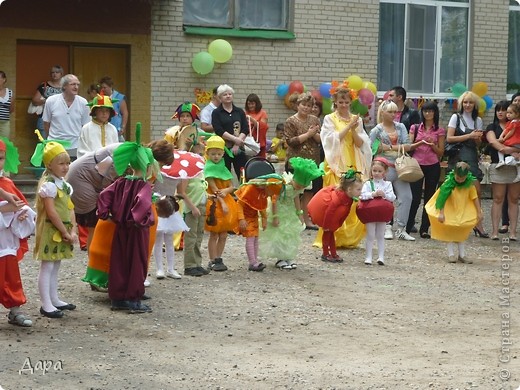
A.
pixel 374 188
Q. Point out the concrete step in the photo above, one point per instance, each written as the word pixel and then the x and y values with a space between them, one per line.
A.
pixel 27 184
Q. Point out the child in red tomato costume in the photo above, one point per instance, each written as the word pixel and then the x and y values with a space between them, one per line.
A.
pixel 330 207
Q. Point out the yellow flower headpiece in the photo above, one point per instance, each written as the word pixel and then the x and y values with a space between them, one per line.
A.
pixel 336 86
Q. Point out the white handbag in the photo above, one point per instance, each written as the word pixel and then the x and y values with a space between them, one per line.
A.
pixel 407 168
pixel 251 145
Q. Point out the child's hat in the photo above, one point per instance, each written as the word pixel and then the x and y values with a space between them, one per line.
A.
pixel 215 142
pixel 12 158
pixel 382 160
pixel 305 170
pixel 192 108
pixel 102 101
pixel 135 155
pixel 46 150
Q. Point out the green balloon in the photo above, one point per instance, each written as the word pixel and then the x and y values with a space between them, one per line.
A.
pixel 458 89
pixel 326 106
pixel 202 63
pixel 357 108
pixel 221 50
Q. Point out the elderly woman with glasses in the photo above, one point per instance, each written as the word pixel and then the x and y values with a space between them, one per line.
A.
pixel 386 138
pixel 428 155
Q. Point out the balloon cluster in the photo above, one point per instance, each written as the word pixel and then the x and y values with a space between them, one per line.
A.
pixel 219 51
pixel 480 88
pixel 366 92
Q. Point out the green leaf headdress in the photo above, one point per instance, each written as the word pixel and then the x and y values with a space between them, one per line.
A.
pixel 12 158
pixel 47 149
pixel 135 155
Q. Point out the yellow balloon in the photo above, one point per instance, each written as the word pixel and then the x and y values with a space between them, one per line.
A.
pixel 370 86
pixel 480 88
pixel 355 82
pixel 481 106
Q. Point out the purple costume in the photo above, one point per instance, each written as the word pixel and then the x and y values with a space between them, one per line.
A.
pixel 128 202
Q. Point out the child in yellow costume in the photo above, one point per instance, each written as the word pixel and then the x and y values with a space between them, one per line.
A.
pixel 454 210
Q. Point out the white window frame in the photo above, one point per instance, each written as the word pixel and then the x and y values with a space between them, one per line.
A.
pixel 438 47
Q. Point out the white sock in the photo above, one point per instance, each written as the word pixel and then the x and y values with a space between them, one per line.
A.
pixel 380 238
pixel 369 239
pixel 157 251
pixel 44 285
pixel 55 299
pixel 170 251
pixel 462 250
pixel 451 249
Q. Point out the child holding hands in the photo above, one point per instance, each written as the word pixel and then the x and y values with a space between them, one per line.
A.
pixel 282 238
pixel 454 210
pixel 221 209
pixel 16 224
pixel 55 224
pixel 330 207
pixel 375 188
pixel 253 198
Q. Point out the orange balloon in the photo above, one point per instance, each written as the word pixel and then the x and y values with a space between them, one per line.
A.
pixel 287 101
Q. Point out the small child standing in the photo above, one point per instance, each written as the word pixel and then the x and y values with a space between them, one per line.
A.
pixel 221 210
pixel 17 222
pixel 279 144
pixel 454 210
pixel 330 207
pixel 55 225
pixel 375 188
pixel 511 137
pixel 282 238
pixel 193 193
pixel 99 132
pixel 253 198
pixel 169 222
pixel 186 113
pixel 128 202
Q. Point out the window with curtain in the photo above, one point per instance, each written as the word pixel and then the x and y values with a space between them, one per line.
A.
pixel 238 14
pixel 513 54
pixel 423 46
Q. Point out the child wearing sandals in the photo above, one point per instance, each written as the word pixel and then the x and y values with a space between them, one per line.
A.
pixel 454 210
pixel 330 207
pixel 377 187
pixel 282 238
pixel 253 198
pixel 169 222
pixel 55 224
pixel 221 208
pixel 17 222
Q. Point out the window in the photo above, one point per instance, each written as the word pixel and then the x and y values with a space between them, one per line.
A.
pixel 239 17
pixel 513 57
pixel 423 45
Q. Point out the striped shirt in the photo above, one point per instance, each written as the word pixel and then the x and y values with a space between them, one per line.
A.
pixel 5 105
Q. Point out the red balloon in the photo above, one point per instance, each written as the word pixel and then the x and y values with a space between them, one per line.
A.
pixel 316 95
pixel 385 96
pixel 296 86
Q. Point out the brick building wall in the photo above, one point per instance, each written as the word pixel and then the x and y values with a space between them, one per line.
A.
pixel 333 40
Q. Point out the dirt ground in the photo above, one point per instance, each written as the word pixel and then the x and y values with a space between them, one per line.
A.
pixel 416 323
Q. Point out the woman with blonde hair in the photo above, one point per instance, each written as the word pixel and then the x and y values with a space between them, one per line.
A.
pixel 346 146
pixel 465 128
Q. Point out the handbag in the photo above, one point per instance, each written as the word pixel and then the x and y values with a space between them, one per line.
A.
pixel 407 168
pixel 452 150
pixel 375 210
pixel 32 109
pixel 251 145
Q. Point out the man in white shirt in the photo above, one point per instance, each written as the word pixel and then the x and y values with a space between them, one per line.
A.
pixel 65 114
pixel 205 114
